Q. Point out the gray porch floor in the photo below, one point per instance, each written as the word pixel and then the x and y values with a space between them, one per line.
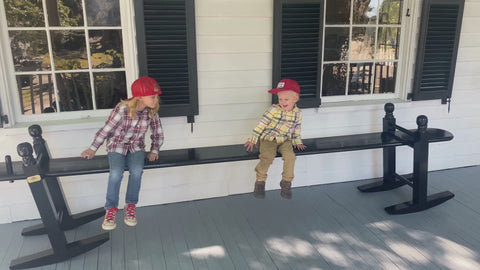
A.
pixel 330 226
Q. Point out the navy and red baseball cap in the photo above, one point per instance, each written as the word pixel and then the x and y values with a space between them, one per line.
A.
pixel 145 86
pixel 286 85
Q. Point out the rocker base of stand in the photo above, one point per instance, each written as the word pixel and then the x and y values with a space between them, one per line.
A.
pixel 67 223
pixel 409 207
pixel 380 186
pixel 49 256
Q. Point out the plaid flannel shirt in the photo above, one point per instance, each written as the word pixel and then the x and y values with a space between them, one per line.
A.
pixel 125 134
pixel 277 124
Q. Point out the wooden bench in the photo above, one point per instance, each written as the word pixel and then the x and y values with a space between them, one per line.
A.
pixel 42 174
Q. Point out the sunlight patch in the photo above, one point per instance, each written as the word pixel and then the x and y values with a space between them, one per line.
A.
pixel 291 247
pixel 207 252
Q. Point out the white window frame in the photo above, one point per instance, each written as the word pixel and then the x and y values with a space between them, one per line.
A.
pixel 8 85
pixel 403 82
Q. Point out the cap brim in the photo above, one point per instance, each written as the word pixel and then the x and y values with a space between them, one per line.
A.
pixel 276 90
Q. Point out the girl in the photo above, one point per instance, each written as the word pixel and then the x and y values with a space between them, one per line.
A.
pixel 125 134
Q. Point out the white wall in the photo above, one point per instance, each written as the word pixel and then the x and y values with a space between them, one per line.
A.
pixel 234 45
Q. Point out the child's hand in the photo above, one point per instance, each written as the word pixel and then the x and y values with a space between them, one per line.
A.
pixel 88 154
pixel 249 145
pixel 300 146
pixel 152 156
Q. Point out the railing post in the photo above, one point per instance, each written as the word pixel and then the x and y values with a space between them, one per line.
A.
pixel 389 180
pixel 420 162
pixel 56 193
pixel 389 153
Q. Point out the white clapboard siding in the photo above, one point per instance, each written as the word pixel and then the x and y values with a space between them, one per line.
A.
pixel 234 61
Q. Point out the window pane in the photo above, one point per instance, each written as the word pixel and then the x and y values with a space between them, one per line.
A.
pixel 102 13
pixel 29 50
pixel 69 50
pixel 385 76
pixel 390 11
pixel 363 43
pixel 334 77
pixel 36 93
pixel 64 12
pixel 337 12
pixel 360 78
pixel 336 44
pixel 25 13
pixel 110 88
pixel 106 48
pixel 74 91
pixel 365 12
pixel 388 40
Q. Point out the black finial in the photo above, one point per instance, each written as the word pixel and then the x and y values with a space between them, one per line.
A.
pixel 389 107
pixel 422 121
pixel 35 131
pixel 25 150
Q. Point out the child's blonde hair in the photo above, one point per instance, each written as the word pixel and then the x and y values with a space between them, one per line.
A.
pixel 132 108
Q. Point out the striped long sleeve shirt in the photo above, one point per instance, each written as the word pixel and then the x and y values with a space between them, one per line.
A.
pixel 280 125
pixel 125 134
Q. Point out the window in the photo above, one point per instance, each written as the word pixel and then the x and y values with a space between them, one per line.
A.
pixel 67 55
pixel 167 52
pixel 338 49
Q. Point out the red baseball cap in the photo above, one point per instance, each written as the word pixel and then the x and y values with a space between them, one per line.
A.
pixel 286 85
pixel 145 86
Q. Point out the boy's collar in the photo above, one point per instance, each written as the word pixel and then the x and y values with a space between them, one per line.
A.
pixel 295 108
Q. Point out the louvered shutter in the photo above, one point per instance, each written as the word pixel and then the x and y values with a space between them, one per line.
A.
pixel 167 52
pixel 296 47
pixel 437 49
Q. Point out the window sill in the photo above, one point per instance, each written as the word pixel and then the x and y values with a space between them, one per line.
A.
pixel 57 125
pixel 363 105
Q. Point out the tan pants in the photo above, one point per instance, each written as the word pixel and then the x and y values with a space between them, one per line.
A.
pixel 268 151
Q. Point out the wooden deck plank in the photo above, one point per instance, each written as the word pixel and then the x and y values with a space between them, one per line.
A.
pixel 150 249
pixel 176 251
pixel 373 251
pixel 9 234
pixel 359 208
pixel 323 227
pixel 231 230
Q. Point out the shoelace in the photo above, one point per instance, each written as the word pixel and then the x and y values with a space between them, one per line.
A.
pixel 110 215
pixel 130 210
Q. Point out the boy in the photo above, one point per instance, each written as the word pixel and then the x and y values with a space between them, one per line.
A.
pixel 279 130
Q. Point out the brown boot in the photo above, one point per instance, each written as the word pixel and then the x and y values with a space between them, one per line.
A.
pixel 259 191
pixel 286 191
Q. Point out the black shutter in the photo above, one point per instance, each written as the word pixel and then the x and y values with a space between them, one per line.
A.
pixel 3 118
pixel 297 35
pixel 167 52
pixel 437 49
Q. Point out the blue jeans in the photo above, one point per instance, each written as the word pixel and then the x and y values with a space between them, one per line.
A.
pixel 118 162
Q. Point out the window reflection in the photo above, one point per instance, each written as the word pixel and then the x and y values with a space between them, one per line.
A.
pixel 21 14
pixel 363 43
pixel 337 12
pixel 36 93
pixel 74 91
pixel 106 48
pixel 102 13
pixel 69 50
pixel 385 77
pixel 365 12
pixel 334 79
pixel 29 50
pixel 360 78
pixel 390 11
pixel 336 44
pixel 110 88
pixel 64 12
pixel 388 40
